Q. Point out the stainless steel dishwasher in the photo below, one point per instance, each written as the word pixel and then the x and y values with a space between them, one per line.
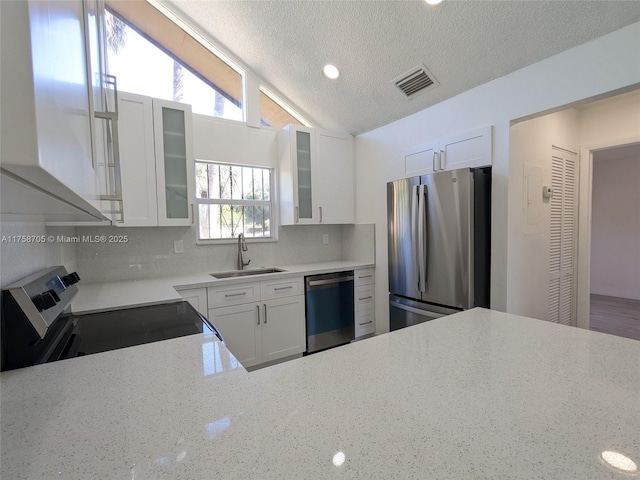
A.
pixel 329 310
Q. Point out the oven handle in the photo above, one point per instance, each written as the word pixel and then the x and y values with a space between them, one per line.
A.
pixel 213 328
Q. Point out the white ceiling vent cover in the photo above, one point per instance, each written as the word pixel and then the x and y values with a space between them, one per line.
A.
pixel 415 81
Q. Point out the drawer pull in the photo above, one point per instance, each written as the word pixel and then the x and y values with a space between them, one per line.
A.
pixel 365 298
pixel 365 323
pixel 365 276
pixel 283 288
pixel 235 294
pixel 258 307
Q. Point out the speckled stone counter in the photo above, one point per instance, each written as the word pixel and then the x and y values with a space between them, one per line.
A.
pixel 476 395
pixel 97 297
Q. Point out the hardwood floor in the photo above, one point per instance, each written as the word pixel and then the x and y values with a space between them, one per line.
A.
pixel 616 316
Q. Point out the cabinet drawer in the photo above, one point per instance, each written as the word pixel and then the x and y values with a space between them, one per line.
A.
pixel 364 297
pixel 364 276
pixel 365 322
pixel 287 287
pixel 233 294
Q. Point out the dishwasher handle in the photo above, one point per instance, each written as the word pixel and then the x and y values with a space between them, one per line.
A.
pixel 329 281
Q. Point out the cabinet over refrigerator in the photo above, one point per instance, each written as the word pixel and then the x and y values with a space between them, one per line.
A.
pixel 439 229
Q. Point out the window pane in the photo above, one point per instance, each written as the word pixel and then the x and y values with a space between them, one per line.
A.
pixel 272 114
pixel 248 192
pixel 236 183
pixel 141 67
pixel 266 184
pixel 226 183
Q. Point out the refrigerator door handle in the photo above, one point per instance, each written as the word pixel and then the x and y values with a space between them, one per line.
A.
pixel 422 238
pixel 415 228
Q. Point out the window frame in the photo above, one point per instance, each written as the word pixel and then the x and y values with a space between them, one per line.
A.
pixel 272 204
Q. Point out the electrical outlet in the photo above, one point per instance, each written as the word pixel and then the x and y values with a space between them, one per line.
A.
pixel 178 246
pixel 325 239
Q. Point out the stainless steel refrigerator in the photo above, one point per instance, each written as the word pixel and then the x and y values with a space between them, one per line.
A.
pixel 439 228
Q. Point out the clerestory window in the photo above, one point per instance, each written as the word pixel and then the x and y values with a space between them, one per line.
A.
pixel 142 67
pixel 151 54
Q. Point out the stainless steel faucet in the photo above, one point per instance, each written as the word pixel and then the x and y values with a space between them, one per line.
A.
pixel 242 247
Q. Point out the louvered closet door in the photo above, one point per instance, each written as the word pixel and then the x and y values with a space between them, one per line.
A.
pixel 562 239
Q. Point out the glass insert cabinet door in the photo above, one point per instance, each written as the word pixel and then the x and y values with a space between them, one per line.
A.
pixel 174 161
pixel 305 192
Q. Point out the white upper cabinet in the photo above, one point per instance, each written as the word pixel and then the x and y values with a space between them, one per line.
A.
pixel 137 161
pixel 46 108
pixel 174 162
pixel 316 176
pixel 466 150
pixel 298 185
pixel 421 160
pixel 335 177
pixel 156 161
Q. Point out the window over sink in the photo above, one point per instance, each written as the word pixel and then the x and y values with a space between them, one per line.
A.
pixel 233 199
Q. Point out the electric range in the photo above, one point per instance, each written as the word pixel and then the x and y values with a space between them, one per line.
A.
pixel 38 327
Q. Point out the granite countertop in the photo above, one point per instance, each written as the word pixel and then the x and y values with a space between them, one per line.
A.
pixel 96 297
pixel 479 394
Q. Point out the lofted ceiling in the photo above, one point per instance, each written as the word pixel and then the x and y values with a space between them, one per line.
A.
pixel 463 43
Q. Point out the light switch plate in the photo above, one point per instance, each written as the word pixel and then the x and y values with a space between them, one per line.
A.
pixel 178 246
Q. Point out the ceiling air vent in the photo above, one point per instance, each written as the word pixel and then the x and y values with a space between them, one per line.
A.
pixel 415 81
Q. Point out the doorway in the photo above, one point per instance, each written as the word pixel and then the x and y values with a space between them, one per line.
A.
pixel 614 298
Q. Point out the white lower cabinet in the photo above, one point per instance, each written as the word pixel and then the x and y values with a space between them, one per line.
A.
pixel 262 329
pixel 283 328
pixel 241 330
pixel 364 302
pixel 197 297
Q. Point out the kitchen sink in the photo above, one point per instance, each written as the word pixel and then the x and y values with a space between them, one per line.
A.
pixel 246 273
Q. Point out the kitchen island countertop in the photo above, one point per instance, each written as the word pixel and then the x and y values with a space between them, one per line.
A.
pixel 479 394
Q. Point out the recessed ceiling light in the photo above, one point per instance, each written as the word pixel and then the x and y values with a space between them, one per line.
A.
pixel 331 72
pixel 433 2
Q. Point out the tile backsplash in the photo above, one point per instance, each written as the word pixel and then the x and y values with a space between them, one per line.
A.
pixel 28 247
pixel 149 252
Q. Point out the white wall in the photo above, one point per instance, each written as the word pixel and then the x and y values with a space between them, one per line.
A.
pixel 615 228
pixel 558 81
pixel 530 153
pixel 606 123
pixel 227 141
pixel 19 258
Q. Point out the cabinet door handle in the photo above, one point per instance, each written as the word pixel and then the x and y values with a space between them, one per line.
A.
pixel 320 214
pixel 258 307
pixel 365 276
pixel 297 215
pixel 193 217
pixel 442 160
pixel 364 298
pixel 365 323
pixel 265 313
pixel 283 288
pixel 227 295
pixel 433 161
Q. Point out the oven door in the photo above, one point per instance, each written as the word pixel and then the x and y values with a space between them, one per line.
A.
pixel 111 330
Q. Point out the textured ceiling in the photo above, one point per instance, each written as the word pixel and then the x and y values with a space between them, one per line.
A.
pixel 462 43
